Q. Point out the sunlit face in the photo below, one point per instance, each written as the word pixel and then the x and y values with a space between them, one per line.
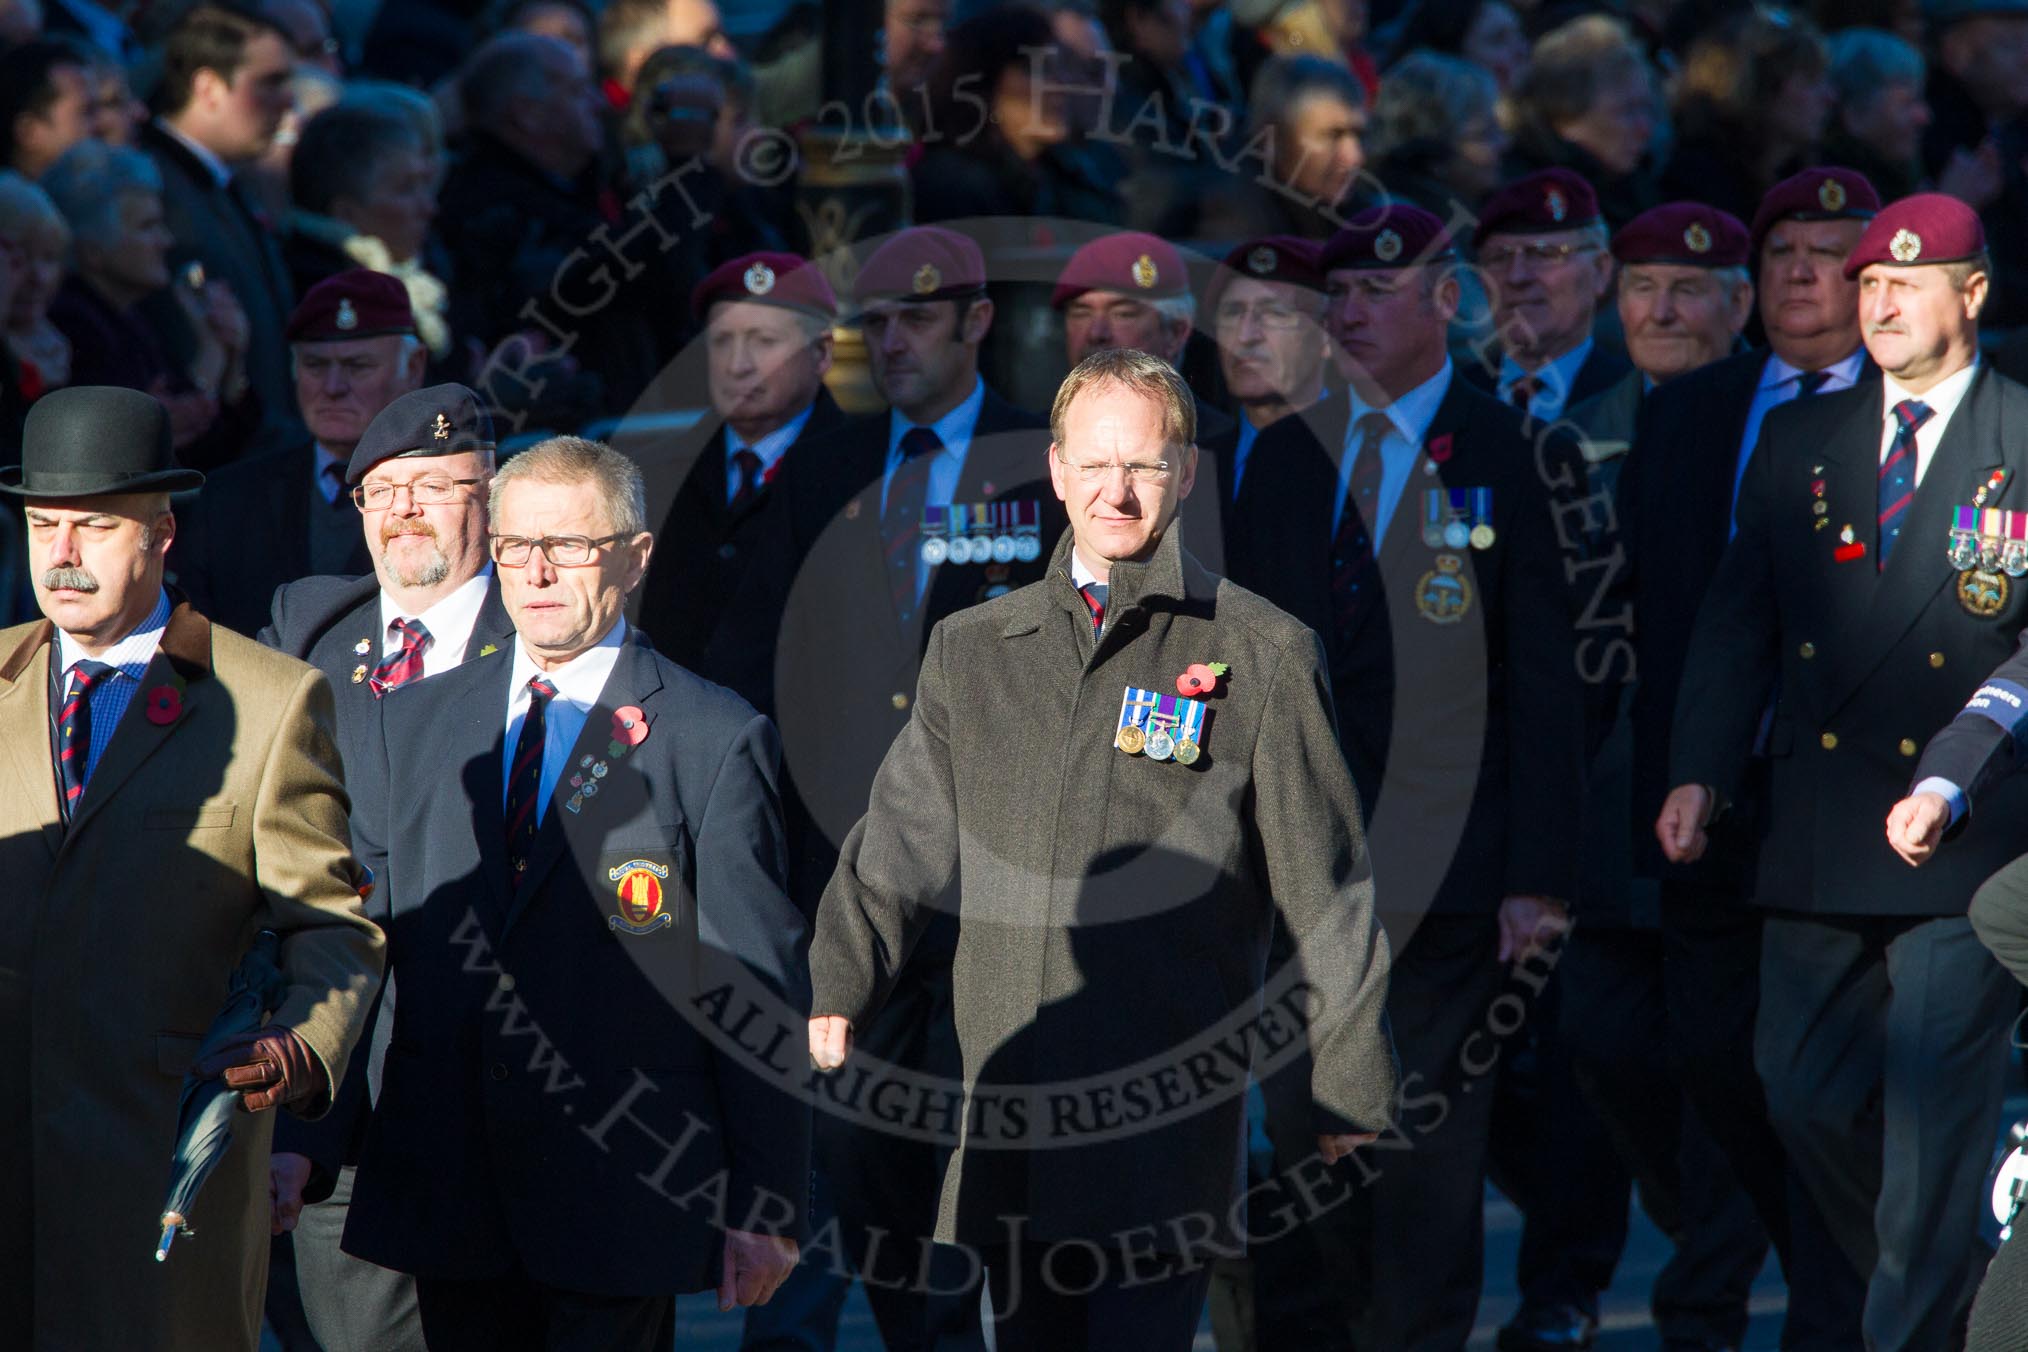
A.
pixel 922 353
pixel 342 386
pixel 696 23
pixel 1323 151
pixel 559 612
pixel 1803 291
pixel 252 106
pixel 1917 325
pixel 1116 515
pixel 1271 340
pixel 1546 287
pixel 764 366
pixel 423 544
pixel 1678 318
pixel 96 563
pixel 1388 326
pixel 1101 319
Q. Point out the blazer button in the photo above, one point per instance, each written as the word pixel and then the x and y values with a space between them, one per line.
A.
pixel 900 700
pixel 499 1070
pixel 506 981
pixel 1829 741
pixel 1936 659
pixel 1908 746
pixel 1807 651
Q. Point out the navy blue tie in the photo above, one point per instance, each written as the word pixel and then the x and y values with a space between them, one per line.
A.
pixel 1897 473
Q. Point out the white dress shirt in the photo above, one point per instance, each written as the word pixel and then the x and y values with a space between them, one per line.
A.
pixel 1942 398
pixel 954 430
pixel 1410 417
pixel 1553 381
pixel 1778 385
pixel 770 448
pixel 450 623
pixel 579 683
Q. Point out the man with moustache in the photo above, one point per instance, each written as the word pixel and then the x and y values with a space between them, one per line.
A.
pixel 1881 1034
pixel 1120 923
pixel 273 518
pixel 171 790
pixel 1406 520
pixel 767 340
pixel 419 477
pixel 1541 245
pixel 1131 290
pixel 588 855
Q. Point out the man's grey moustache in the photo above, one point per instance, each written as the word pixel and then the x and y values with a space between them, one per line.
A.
pixel 69 579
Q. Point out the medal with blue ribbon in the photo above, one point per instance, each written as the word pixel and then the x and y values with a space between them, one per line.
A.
pixel 1165 727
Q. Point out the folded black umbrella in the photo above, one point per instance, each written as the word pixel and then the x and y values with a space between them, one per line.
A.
pixel 204 1114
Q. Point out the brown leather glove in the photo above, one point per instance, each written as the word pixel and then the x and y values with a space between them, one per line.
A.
pixel 269 1067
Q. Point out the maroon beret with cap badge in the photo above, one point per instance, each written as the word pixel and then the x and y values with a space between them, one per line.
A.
pixel 1930 227
pixel 785 279
pixel 1548 199
pixel 1131 263
pixel 356 303
pixel 1269 258
pixel 1392 236
pixel 1691 233
pixel 922 263
pixel 1828 193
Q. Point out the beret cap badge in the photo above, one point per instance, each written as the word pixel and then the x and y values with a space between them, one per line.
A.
pixel 1387 246
pixel 441 428
pixel 759 279
pixel 348 318
pixel 1558 206
pixel 1262 260
pixel 1146 274
pixel 926 279
pixel 1905 247
pixel 1696 238
pixel 1831 195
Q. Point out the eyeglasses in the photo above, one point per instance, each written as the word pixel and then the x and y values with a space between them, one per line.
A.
pixel 564 551
pixel 378 497
pixel 1142 472
pixel 1536 255
pixel 1271 316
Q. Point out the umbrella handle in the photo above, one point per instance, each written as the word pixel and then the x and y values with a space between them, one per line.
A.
pixel 171 1223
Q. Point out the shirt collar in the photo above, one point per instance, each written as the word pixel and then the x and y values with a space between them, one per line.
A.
pixel 954 429
pixel 1942 398
pixel 1556 375
pixel 1080 576
pixel 220 170
pixel 1413 412
pixel 1778 373
pixel 451 619
pixel 579 680
pixel 130 655
pixel 325 457
pixel 771 447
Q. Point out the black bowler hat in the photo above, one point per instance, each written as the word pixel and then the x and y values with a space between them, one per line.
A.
pixel 440 420
pixel 91 441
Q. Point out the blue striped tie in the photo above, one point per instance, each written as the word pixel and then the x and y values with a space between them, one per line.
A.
pixel 74 731
pixel 1897 473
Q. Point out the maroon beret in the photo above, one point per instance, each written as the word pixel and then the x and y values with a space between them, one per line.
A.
pixel 1930 227
pixel 1270 258
pixel 785 279
pixel 357 303
pixel 1393 236
pixel 1131 263
pixel 1694 233
pixel 1825 194
pixel 926 262
pixel 1548 199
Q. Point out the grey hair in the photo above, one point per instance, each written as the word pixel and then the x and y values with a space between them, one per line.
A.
pixel 25 208
pixel 1176 309
pixel 410 345
pixel 89 183
pixel 576 460
pixel 1134 370
pixel 1428 96
pixel 1865 61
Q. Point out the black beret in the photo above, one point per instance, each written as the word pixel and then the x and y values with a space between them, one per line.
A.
pixel 441 420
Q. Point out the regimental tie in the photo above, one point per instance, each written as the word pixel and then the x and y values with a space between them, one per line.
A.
pixel 74 731
pixel 1355 575
pixel 901 521
pixel 336 474
pixel 1809 382
pixel 1897 473
pixel 746 478
pixel 1521 394
pixel 405 664
pixel 524 781
pixel 1094 594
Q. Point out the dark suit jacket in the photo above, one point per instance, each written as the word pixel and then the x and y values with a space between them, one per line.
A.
pixel 322 621
pixel 1869 664
pixel 1600 371
pixel 1465 738
pixel 555 1082
pixel 218 228
pixel 248 533
pixel 703 550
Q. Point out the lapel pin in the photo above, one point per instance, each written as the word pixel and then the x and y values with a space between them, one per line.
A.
pixel 358 673
pixel 363 646
pixel 1201 678
pixel 489 650
pixel 165 702
pixel 630 726
pixel 576 802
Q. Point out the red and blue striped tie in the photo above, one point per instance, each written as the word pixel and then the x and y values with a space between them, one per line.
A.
pixel 1897 473
pixel 901 522
pixel 524 782
pixel 406 664
pixel 74 731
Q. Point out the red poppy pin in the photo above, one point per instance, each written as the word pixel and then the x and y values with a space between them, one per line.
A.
pixel 165 704
pixel 1439 449
pixel 1200 678
pixel 630 725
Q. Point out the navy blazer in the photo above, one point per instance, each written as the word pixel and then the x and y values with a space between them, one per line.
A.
pixel 323 621
pixel 574 1088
